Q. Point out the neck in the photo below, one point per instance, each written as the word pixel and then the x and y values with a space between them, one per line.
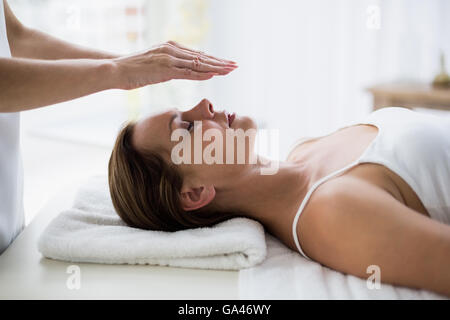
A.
pixel 270 199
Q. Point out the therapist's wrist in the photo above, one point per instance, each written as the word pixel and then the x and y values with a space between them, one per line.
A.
pixel 108 73
pixel 120 73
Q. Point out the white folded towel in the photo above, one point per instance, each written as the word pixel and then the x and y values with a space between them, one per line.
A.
pixel 91 231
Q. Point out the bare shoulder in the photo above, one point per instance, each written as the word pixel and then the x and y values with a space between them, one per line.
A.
pixel 350 224
pixel 337 194
pixel 345 210
pixel 344 199
pixel 325 216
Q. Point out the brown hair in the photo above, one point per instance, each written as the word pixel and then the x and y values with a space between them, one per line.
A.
pixel 145 190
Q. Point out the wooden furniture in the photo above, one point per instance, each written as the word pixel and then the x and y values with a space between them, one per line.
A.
pixel 410 95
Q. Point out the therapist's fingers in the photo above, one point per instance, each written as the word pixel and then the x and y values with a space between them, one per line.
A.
pixel 176 44
pixel 197 65
pixel 189 74
pixel 182 54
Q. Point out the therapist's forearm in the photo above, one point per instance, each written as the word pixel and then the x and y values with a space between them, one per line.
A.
pixel 30 83
pixel 31 43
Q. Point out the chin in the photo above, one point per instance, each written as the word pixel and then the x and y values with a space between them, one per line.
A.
pixel 244 123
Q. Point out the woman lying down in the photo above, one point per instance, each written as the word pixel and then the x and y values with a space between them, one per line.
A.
pixel 372 193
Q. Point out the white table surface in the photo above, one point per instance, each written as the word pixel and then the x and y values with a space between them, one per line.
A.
pixel 26 274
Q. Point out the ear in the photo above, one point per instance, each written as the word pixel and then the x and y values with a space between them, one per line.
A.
pixel 196 198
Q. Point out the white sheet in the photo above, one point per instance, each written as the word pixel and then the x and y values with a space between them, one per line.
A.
pixel 285 274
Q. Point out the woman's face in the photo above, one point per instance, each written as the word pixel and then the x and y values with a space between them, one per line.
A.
pixel 157 132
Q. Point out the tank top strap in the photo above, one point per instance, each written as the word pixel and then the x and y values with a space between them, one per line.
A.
pixel 305 200
pixel 4 45
pixel 377 119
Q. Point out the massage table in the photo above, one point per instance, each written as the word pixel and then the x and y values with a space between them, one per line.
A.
pixel 25 274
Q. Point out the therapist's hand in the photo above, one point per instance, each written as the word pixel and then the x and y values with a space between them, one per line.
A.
pixel 166 62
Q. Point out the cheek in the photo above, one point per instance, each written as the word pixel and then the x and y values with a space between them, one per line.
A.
pixel 198 142
pixel 208 173
pixel 212 125
pixel 212 131
pixel 207 151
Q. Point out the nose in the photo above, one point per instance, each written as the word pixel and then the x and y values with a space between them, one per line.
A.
pixel 205 107
pixel 203 110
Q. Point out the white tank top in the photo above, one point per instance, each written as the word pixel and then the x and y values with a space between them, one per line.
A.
pixel 415 146
pixel 11 177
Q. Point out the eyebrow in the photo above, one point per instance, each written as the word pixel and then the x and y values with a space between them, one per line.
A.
pixel 174 115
